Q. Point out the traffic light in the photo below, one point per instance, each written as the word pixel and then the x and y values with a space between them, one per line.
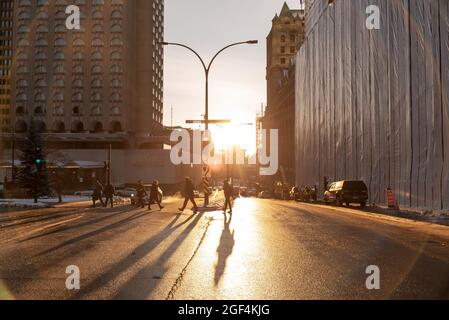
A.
pixel 40 164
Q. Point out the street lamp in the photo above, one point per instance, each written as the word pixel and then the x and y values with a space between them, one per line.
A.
pixel 206 72
pixel 208 67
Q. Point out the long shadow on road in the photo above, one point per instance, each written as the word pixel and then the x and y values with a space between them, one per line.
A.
pixel 40 218
pixel 76 226
pixel 140 252
pixel 224 249
pixel 141 285
pixel 96 232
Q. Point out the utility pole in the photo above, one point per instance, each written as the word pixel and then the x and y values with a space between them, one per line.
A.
pixel 109 163
pixel 36 166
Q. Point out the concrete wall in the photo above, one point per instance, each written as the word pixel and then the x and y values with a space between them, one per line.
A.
pixel 373 104
pixel 128 166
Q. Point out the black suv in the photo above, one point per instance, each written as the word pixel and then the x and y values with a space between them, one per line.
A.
pixel 348 192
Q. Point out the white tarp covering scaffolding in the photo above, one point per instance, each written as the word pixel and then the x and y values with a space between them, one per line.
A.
pixel 373 104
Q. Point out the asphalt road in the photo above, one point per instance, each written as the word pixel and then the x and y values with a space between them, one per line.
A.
pixel 267 249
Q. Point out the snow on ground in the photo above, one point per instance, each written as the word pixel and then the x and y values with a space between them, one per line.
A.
pixel 42 203
pixel 49 202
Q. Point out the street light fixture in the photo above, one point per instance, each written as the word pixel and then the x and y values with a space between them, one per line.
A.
pixel 206 72
pixel 208 67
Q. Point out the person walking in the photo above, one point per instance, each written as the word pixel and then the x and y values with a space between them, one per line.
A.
pixel 58 187
pixel 228 193
pixel 109 192
pixel 189 195
pixel 141 193
pixel 97 195
pixel 154 196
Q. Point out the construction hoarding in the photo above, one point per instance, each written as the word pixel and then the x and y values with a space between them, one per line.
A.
pixel 373 104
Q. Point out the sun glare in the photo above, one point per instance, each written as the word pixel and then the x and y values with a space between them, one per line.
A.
pixel 237 133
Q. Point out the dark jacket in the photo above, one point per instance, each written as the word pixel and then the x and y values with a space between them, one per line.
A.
pixel 189 188
pixel 109 191
pixel 154 191
pixel 141 191
pixel 98 190
pixel 228 192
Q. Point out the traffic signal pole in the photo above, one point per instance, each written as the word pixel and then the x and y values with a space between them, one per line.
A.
pixel 36 183
pixel 36 173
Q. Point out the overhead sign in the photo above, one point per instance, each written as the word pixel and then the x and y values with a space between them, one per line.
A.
pixel 208 121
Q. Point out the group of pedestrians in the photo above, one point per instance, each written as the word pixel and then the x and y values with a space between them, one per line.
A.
pixel 189 195
pixel 107 191
pixel 155 195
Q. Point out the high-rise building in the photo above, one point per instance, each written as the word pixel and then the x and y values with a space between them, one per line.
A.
pixel 283 43
pixel 100 84
pixel 6 46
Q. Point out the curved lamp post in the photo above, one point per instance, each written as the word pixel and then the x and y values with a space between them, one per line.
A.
pixel 208 67
pixel 207 72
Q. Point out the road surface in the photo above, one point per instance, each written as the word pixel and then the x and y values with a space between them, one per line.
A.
pixel 267 249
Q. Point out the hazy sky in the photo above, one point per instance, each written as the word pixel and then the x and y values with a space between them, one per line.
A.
pixel 237 80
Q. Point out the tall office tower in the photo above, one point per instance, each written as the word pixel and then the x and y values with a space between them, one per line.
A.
pixel 94 86
pixel 6 46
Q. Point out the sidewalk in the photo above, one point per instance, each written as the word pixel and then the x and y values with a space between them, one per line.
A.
pixel 413 214
pixel 42 203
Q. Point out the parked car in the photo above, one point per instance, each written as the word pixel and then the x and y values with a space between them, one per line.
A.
pixel 252 192
pixel 146 198
pixel 347 192
pixel 294 194
pixel 265 195
pixel 85 193
pixel 244 192
pixel 127 192
pixel 236 191
pixel 282 190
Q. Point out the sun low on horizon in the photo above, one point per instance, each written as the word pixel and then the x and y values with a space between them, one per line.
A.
pixel 239 133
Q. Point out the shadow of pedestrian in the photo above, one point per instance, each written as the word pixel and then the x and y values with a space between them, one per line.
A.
pixel 224 249
pixel 140 289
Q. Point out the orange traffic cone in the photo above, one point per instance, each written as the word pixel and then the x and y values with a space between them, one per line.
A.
pixel 392 203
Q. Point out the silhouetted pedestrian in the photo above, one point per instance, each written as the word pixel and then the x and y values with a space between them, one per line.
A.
pixel 141 193
pixel 154 196
pixel 228 193
pixel 58 187
pixel 189 195
pixel 109 192
pixel 97 195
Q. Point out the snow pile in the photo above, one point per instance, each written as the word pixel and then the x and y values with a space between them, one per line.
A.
pixel 42 203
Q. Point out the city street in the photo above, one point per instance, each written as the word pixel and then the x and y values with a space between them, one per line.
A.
pixel 268 249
